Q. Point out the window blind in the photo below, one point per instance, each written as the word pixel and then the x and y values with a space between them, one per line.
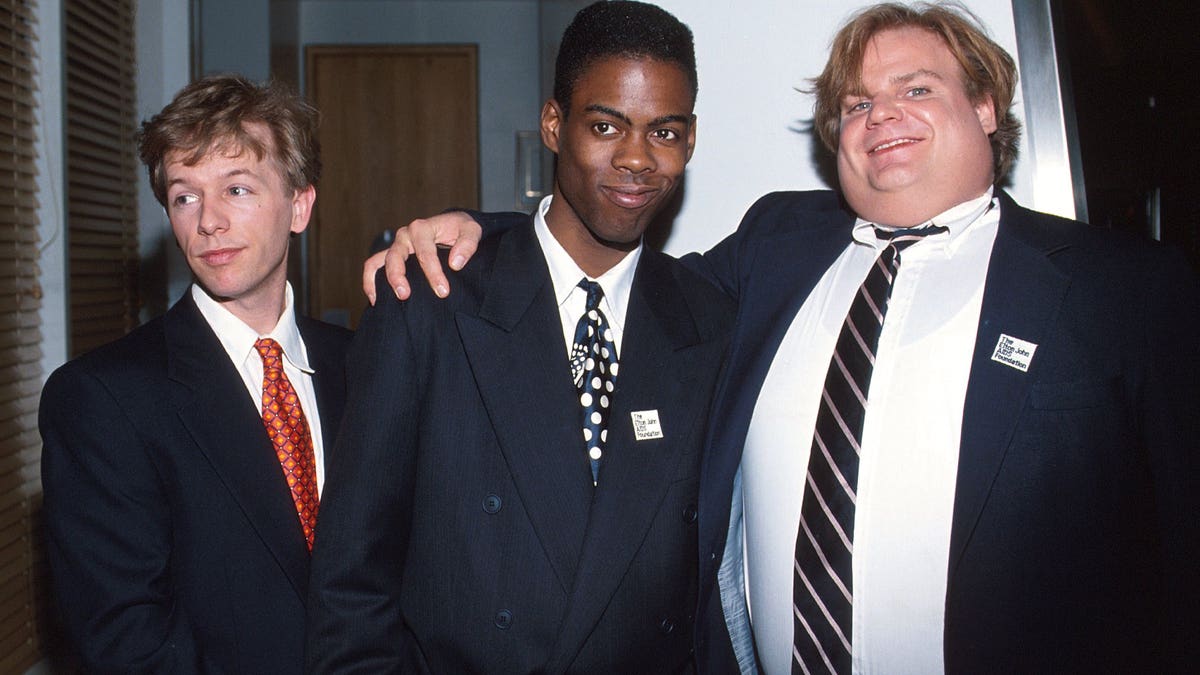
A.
pixel 101 171
pixel 22 574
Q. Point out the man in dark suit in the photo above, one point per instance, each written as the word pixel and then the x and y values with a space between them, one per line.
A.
pixel 1021 487
pixel 181 463
pixel 1027 476
pixel 477 521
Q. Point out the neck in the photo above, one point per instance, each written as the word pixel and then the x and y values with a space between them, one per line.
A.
pixel 901 211
pixel 260 311
pixel 593 255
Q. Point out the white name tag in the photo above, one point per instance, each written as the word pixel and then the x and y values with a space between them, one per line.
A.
pixel 646 425
pixel 1014 352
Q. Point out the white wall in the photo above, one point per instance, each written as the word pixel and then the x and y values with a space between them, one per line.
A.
pixel 507 34
pixel 752 55
pixel 51 185
pixel 163 68
pixel 235 37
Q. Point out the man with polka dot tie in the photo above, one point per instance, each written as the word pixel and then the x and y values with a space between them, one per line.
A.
pixel 470 523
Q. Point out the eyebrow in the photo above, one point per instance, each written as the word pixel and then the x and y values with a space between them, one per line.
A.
pixel 854 93
pixel 909 77
pixel 665 119
pixel 230 174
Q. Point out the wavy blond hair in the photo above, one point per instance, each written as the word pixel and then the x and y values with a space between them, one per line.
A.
pixel 987 69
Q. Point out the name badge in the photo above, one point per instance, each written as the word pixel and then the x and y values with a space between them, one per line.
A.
pixel 1014 352
pixel 646 425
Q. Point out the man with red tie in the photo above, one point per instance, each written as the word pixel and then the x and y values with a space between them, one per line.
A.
pixel 182 463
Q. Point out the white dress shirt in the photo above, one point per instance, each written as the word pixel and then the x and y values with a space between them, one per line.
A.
pixel 238 340
pixel 617 283
pixel 909 452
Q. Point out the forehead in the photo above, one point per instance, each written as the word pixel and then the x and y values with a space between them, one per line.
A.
pixel 225 154
pixel 254 143
pixel 899 52
pixel 637 87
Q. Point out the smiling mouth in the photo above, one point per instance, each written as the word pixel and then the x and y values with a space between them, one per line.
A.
pixel 895 143
pixel 630 196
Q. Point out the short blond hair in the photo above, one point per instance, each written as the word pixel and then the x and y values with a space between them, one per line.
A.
pixel 212 113
pixel 988 69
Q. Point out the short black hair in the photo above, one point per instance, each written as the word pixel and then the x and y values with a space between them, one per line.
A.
pixel 621 28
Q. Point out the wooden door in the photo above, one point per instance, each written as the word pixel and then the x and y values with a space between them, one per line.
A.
pixel 399 140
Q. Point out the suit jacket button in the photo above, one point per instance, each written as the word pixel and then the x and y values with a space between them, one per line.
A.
pixel 667 626
pixel 689 514
pixel 491 504
pixel 503 619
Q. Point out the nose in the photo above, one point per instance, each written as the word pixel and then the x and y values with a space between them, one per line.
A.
pixel 883 109
pixel 634 155
pixel 212 219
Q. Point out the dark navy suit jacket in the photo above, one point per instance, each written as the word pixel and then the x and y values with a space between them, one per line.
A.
pixel 173 541
pixel 465 534
pixel 1075 542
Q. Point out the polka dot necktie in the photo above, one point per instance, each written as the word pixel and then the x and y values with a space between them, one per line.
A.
pixel 287 427
pixel 594 369
pixel 822 586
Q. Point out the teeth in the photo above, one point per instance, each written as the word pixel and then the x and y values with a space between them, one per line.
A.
pixel 891 144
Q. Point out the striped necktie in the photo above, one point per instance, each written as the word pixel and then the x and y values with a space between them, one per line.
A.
pixel 822 591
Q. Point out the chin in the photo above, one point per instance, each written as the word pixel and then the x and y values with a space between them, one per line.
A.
pixel 624 233
pixel 622 239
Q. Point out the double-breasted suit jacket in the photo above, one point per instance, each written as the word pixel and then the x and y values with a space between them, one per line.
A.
pixel 465 534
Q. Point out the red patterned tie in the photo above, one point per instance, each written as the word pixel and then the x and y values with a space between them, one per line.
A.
pixel 287 428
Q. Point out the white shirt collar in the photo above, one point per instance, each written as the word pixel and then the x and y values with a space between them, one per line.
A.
pixel 238 338
pixel 955 219
pixel 617 282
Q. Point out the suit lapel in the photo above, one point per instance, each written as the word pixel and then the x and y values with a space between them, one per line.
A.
pixel 216 411
pixel 515 349
pixel 661 341
pixel 1022 296
pixel 779 274
pixel 329 380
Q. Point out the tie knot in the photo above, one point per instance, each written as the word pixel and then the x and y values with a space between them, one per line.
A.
pixel 905 237
pixel 268 349
pixel 594 294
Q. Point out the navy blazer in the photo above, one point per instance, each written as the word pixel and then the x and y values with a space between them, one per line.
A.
pixel 172 537
pixel 463 530
pixel 1076 528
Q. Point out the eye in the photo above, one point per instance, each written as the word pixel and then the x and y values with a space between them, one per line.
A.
pixel 239 191
pixel 917 91
pixel 183 199
pixel 604 128
pixel 665 134
pixel 857 106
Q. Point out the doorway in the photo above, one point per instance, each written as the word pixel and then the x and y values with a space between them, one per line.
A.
pixel 399 140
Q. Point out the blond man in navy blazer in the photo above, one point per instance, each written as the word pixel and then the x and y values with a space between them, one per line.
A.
pixel 173 540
